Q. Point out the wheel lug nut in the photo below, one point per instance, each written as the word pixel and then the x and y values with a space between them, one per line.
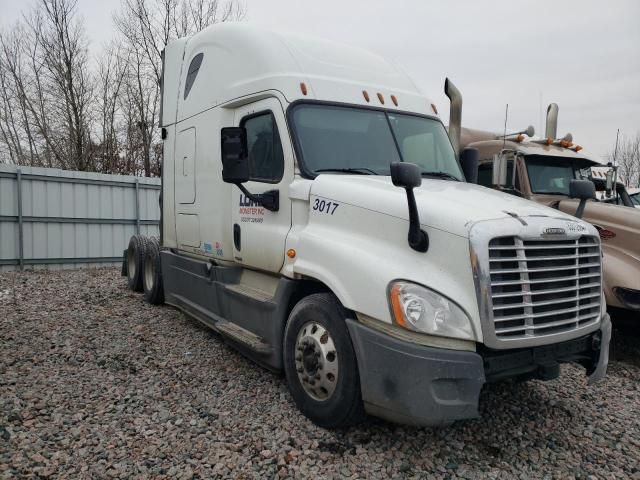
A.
pixel 305 378
pixel 298 357
pixel 312 382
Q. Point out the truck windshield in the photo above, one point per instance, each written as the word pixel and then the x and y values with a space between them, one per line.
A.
pixel 550 174
pixel 364 141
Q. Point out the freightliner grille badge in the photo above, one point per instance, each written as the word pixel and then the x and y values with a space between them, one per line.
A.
pixel 554 231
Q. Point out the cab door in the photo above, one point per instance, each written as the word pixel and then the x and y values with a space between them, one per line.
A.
pixel 259 234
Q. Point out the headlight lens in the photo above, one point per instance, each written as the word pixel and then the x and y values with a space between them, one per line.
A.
pixel 422 310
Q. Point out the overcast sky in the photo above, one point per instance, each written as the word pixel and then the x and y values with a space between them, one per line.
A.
pixel 582 54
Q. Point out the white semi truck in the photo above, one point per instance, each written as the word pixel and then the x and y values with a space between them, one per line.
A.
pixel 316 215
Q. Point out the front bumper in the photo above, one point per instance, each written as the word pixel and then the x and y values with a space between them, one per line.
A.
pixel 418 385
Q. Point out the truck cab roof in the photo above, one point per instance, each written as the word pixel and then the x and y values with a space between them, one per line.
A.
pixel 239 60
pixel 489 143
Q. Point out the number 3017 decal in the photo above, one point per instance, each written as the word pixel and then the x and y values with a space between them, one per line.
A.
pixel 324 206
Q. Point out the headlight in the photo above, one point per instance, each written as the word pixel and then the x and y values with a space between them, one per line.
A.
pixel 422 310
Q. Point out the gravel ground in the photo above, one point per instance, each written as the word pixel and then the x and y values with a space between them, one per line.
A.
pixel 95 383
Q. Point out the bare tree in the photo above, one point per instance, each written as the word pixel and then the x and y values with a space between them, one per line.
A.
pixel 146 27
pixel 111 77
pixel 627 157
pixel 64 49
pixel 60 108
pixel 46 88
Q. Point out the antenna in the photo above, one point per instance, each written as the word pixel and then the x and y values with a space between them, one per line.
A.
pixel 615 151
pixel 506 115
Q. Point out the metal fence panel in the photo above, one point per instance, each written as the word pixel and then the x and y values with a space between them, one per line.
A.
pixel 53 218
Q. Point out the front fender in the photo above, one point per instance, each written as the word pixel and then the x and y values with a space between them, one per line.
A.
pixel 357 252
pixel 621 269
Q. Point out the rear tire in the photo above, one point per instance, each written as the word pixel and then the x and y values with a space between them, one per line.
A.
pixel 152 274
pixel 320 363
pixel 135 261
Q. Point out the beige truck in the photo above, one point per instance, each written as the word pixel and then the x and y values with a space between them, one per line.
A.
pixel 542 171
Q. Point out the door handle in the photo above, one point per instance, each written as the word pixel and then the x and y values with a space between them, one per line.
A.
pixel 236 236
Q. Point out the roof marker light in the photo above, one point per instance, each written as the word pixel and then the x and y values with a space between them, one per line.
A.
pixel 520 138
pixel 381 98
pixel 394 100
pixel 365 94
pixel 303 88
pixel 578 148
pixel 434 108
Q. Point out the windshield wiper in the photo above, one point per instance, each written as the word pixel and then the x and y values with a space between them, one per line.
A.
pixel 357 170
pixel 440 175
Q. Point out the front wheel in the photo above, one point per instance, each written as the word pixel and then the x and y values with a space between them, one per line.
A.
pixel 320 363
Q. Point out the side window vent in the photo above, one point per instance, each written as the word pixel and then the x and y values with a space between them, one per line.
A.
pixel 194 66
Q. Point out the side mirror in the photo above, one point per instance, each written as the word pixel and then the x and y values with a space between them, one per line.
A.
pixel 609 185
pixel 583 190
pixel 499 175
pixel 408 176
pixel 469 159
pixel 235 159
pixel 405 175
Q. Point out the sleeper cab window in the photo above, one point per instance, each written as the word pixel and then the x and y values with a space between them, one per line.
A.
pixel 266 161
pixel 192 73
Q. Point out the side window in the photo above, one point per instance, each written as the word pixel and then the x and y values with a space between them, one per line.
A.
pixel 266 160
pixel 192 73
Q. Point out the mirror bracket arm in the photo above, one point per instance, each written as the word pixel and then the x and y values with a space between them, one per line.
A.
pixel 417 238
pixel 580 210
pixel 269 200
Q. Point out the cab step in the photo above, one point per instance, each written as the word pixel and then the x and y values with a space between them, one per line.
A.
pixel 251 292
pixel 243 336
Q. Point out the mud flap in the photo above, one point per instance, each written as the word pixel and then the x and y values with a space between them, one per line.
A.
pixel 603 360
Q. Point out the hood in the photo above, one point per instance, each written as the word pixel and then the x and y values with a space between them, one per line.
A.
pixel 446 205
pixel 606 215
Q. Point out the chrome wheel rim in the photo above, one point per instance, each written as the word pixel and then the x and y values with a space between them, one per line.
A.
pixel 316 361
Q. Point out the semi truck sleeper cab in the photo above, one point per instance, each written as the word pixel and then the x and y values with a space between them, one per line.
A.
pixel 316 215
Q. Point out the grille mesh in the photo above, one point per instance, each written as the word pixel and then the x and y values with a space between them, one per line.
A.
pixel 543 287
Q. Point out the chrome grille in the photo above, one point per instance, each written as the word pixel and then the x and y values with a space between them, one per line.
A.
pixel 542 287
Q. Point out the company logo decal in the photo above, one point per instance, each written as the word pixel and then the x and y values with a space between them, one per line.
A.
pixel 217 250
pixel 250 211
pixel 576 227
pixel 605 234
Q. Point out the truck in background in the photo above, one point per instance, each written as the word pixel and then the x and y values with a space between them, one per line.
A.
pixel 316 215
pixel 542 171
pixel 609 189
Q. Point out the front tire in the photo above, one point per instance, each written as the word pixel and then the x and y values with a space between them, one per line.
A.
pixel 320 363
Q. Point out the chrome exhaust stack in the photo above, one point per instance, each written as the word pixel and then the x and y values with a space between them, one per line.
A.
pixel 455 114
pixel 551 131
